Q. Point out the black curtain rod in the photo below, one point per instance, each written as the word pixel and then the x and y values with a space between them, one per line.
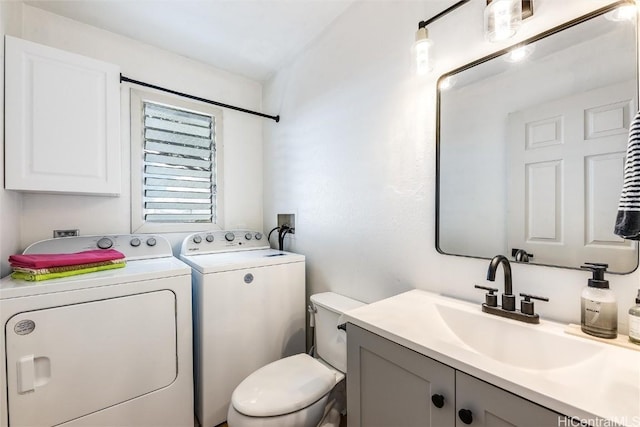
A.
pixel 197 98
pixel 423 24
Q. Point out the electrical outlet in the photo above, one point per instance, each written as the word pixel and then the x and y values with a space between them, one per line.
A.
pixel 65 233
pixel 288 220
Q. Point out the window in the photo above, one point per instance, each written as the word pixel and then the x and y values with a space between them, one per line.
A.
pixel 175 151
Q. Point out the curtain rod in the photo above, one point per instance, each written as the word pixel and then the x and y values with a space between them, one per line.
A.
pixel 448 10
pixel 197 98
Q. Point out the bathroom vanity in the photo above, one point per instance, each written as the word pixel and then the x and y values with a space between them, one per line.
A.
pixel 423 359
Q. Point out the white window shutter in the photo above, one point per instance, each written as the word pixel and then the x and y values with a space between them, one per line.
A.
pixel 179 165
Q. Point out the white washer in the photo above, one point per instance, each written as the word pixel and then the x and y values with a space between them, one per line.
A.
pixel 111 348
pixel 249 310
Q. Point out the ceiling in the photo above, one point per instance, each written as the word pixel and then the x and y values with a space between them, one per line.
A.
pixel 252 38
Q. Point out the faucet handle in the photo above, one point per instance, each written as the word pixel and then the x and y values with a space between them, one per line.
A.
pixel 526 305
pixel 490 299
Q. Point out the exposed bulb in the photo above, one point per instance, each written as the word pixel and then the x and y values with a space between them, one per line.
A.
pixel 502 19
pixel 422 52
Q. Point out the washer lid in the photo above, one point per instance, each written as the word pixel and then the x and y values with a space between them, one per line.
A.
pixel 284 386
pixel 207 263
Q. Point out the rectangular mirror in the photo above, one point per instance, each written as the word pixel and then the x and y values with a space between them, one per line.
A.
pixel 531 144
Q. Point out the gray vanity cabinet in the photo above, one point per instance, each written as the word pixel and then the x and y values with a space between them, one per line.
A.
pixel 491 406
pixel 389 385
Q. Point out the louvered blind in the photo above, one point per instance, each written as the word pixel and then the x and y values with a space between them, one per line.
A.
pixel 179 165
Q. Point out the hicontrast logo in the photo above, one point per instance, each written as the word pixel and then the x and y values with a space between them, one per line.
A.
pixel 599 422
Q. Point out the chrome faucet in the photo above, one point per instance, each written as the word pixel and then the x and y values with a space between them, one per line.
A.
pixel 508 309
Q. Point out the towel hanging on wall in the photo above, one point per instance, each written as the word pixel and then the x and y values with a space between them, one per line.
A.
pixel 628 218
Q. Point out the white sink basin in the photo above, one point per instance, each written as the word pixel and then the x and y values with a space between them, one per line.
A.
pixel 517 344
pixel 571 375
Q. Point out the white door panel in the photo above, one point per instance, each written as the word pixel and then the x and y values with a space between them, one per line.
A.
pixel 566 164
pixel 66 362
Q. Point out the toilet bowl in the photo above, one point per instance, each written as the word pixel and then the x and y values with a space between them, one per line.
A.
pixel 300 390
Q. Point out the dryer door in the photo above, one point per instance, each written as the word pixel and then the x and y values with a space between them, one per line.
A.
pixel 67 362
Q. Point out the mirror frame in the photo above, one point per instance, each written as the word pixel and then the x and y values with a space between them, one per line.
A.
pixel 540 36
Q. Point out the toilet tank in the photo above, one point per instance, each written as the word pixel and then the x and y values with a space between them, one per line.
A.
pixel 331 342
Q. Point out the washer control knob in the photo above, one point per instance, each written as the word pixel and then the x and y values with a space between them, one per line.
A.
pixel 105 243
pixel 258 236
pixel 209 238
pixel 135 242
pixel 230 236
pixel 151 241
pixel 248 236
pixel 197 239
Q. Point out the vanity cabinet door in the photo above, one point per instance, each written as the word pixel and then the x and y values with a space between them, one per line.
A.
pixel 62 121
pixel 494 407
pixel 390 385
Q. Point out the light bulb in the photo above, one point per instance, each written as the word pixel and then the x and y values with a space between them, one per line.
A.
pixel 422 52
pixel 502 19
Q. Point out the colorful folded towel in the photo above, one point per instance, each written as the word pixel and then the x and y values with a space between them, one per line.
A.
pixel 38 277
pixel 66 267
pixel 37 261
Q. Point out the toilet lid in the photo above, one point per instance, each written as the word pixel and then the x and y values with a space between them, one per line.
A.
pixel 284 386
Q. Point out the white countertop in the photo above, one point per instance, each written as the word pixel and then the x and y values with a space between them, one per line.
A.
pixel 605 383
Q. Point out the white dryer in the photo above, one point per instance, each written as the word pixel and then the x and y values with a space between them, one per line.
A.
pixel 249 310
pixel 111 348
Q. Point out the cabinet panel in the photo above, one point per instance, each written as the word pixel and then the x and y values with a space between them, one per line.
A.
pixel 390 385
pixel 62 121
pixel 493 407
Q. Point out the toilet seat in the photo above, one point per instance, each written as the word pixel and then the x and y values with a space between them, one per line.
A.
pixel 284 386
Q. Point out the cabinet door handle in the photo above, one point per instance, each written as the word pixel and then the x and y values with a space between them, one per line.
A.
pixel 438 400
pixel 465 416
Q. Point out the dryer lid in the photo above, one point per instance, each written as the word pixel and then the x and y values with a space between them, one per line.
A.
pixel 284 386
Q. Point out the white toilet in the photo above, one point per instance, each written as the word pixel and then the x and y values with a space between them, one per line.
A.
pixel 300 391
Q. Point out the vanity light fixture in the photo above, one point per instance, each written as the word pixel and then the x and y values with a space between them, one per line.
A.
pixel 503 18
pixel 423 45
pixel 422 51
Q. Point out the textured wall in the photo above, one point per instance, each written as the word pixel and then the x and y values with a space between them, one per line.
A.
pixel 354 156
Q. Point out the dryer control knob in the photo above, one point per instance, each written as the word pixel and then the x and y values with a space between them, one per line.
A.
pixel 151 241
pixel 230 236
pixel 258 236
pixel 105 243
pixel 135 242
pixel 197 239
pixel 248 236
pixel 209 238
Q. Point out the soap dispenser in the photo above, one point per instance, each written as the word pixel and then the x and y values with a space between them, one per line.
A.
pixel 599 309
pixel 634 321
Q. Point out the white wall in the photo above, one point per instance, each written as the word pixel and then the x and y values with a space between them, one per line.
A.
pixel 10 202
pixel 354 156
pixel 242 138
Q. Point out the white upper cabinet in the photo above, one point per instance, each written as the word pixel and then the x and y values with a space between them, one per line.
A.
pixel 62 121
